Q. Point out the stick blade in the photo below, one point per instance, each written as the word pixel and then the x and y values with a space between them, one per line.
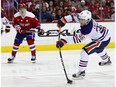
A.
pixel 69 81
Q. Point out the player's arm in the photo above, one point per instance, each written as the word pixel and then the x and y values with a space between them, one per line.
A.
pixel 64 20
pixel 16 25
pixel 37 26
pixel 76 38
pixel 5 21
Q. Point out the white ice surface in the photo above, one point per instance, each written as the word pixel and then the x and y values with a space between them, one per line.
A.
pixel 48 72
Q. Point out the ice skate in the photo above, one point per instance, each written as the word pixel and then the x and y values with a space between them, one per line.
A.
pixel 102 63
pixel 79 75
pixel 33 59
pixel 11 59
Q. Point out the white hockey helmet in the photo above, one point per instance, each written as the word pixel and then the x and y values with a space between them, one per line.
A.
pixel 86 15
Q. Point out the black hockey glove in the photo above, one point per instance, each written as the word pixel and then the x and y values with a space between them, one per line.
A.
pixel 60 43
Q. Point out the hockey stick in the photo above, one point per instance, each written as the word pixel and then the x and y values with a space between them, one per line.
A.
pixel 68 80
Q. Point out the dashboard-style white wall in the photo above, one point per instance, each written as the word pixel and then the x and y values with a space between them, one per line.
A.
pixel 8 39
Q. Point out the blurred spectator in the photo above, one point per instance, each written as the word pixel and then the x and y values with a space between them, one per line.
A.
pixel 59 14
pixel 30 6
pixel 66 3
pixel 69 4
pixel 45 4
pixel 45 15
pixel 94 9
pixel 4 12
pixel 53 17
pixel 82 6
pixel 51 6
pixel 56 9
pixel 74 10
pixel 69 12
pixel 65 11
pixel 75 3
pixel 56 3
pixel 51 9
pixel 36 13
pixel 112 4
pixel 36 10
pixel 37 4
pixel 108 2
pixel 61 4
pixel 105 10
pixel 99 8
pixel 113 13
pixel 113 16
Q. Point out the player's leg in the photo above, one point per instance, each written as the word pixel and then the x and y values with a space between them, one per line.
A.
pixel 32 49
pixel 30 40
pixel 92 47
pixel 18 40
pixel 104 56
pixel 82 65
pixel 86 51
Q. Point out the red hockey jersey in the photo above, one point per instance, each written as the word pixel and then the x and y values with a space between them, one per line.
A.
pixel 27 22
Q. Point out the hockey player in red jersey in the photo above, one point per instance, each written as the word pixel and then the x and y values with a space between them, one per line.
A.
pixel 99 35
pixel 25 24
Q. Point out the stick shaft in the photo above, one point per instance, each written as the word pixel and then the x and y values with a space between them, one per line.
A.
pixel 62 58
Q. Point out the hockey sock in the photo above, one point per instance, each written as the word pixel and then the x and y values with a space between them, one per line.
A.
pixel 15 49
pixel 32 47
pixel 83 61
pixel 104 56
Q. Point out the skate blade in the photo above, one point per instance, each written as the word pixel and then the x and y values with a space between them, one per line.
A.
pixel 10 62
pixel 106 64
pixel 33 61
pixel 78 78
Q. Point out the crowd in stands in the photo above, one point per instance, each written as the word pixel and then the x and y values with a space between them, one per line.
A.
pixel 53 10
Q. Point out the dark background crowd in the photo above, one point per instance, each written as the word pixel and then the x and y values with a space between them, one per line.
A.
pixel 53 10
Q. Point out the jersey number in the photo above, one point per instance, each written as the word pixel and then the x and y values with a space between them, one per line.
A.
pixel 100 28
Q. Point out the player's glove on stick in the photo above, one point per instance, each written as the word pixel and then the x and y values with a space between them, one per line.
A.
pixel 61 43
pixel 61 22
pixel 18 29
pixel 7 29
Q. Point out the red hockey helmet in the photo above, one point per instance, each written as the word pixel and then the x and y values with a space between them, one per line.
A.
pixel 22 5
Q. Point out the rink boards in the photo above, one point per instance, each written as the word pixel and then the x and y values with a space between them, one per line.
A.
pixel 48 43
